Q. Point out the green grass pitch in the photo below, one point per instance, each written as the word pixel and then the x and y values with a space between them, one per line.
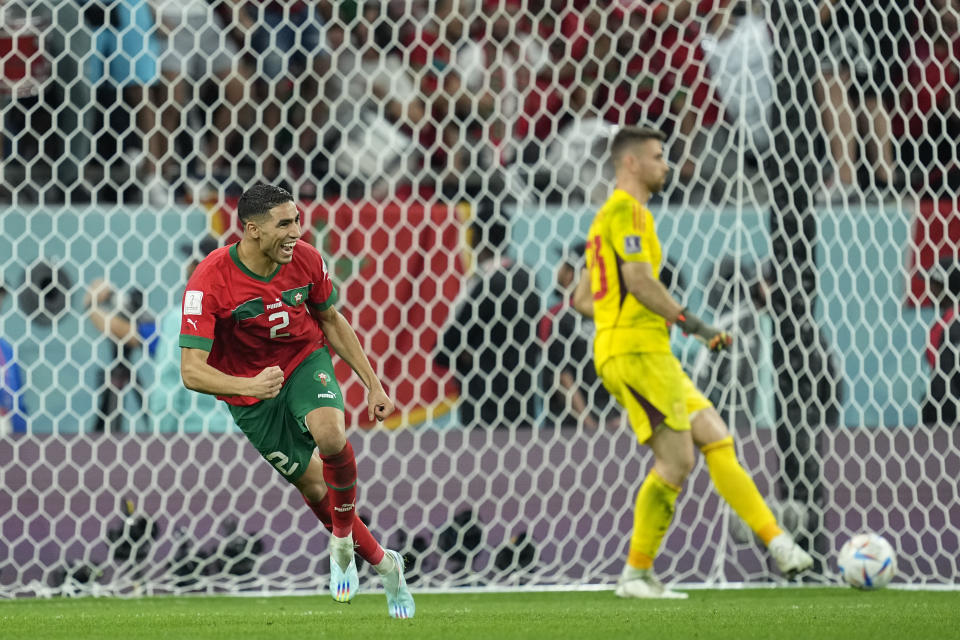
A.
pixel 789 613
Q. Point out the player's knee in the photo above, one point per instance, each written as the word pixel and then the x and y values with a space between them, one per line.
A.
pixel 312 486
pixel 676 467
pixel 313 492
pixel 707 426
pixel 329 442
pixel 327 430
pixel 685 463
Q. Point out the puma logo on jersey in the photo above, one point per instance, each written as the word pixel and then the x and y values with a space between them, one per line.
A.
pixel 275 305
pixel 327 394
pixel 193 323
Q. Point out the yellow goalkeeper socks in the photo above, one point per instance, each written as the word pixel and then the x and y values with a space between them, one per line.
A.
pixel 738 489
pixel 652 516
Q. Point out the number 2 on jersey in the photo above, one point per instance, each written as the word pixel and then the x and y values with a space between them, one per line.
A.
pixel 284 318
pixel 595 244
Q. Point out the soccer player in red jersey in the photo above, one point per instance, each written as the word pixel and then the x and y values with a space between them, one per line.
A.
pixel 258 317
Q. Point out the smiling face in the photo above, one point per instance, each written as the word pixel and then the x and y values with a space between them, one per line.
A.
pixel 277 232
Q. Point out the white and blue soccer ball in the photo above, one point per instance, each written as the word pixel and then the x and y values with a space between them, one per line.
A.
pixel 867 561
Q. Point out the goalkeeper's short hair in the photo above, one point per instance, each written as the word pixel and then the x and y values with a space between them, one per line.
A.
pixel 626 137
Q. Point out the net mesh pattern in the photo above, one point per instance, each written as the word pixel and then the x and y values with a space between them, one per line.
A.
pixel 448 157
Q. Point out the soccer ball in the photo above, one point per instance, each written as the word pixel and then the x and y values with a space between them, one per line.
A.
pixel 867 561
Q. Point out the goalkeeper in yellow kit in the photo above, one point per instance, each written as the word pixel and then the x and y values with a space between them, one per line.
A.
pixel 633 311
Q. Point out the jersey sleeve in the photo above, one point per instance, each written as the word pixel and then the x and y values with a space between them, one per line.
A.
pixel 198 314
pixel 323 294
pixel 630 235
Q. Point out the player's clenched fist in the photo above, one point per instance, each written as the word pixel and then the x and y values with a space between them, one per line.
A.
pixel 379 405
pixel 267 383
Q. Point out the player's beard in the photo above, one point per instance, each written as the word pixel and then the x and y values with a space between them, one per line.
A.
pixel 656 186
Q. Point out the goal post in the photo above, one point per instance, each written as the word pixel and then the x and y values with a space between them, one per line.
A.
pixel 812 209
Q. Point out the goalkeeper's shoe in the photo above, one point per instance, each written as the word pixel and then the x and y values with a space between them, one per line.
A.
pixel 344 581
pixel 788 555
pixel 641 583
pixel 399 601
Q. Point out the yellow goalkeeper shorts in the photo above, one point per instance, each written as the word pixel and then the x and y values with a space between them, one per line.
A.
pixel 654 389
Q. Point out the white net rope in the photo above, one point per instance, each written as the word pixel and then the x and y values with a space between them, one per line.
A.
pixel 812 210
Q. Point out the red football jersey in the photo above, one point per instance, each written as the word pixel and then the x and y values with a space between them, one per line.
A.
pixel 248 322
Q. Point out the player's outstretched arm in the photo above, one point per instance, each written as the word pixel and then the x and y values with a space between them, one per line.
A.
pixel 640 282
pixel 199 376
pixel 344 341
pixel 714 338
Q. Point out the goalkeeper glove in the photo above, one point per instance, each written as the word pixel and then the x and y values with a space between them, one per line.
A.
pixel 715 339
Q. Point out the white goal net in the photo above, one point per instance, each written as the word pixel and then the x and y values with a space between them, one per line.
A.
pixel 813 210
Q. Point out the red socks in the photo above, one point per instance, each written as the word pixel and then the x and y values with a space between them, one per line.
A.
pixel 340 474
pixel 367 546
pixel 322 511
pixel 337 511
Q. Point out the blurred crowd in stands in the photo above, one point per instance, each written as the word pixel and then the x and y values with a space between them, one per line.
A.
pixel 171 101
pixel 383 97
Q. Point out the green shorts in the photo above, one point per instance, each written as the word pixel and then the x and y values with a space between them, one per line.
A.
pixel 277 427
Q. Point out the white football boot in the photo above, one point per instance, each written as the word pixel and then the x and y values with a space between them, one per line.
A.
pixel 399 600
pixel 641 583
pixel 788 555
pixel 344 581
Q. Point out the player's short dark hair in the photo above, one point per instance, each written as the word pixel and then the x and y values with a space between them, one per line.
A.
pixel 257 201
pixel 627 137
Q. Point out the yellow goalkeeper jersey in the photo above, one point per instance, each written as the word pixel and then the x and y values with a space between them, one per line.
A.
pixel 623 231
